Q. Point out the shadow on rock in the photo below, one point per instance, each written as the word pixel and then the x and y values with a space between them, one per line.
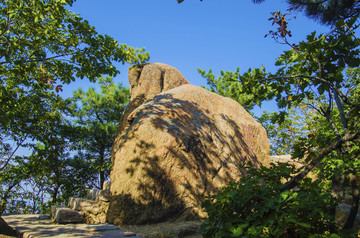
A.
pixel 177 148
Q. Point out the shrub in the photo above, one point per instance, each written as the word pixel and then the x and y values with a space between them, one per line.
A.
pixel 254 207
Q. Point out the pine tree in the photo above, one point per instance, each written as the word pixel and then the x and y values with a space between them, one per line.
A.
pixel 328 11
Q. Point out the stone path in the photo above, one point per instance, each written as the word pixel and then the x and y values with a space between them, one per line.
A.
pixel 36 226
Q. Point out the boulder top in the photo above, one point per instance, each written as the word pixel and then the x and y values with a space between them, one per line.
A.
pixel 150 79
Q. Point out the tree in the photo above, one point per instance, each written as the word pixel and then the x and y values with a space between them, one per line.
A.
pixel 227 85
pixel 42 46
pixel 327 12
pixel 282 136
pixel 97 116
pixel 37 116
pixel 321 72
pixel 73 154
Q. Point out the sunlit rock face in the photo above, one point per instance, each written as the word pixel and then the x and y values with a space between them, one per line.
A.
pixel 179 146
pixel 146 81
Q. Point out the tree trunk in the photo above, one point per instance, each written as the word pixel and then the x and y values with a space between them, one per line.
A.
pixel 314 161
pixel 102 172
pixel 54 194
pixel 355 203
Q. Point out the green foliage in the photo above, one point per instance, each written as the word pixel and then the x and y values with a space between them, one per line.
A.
pixel 42 46
pixel 34 120
pixel 95 117
pixel 228 85
pixel 321 76
pixel 254 207
pixel 329 11
pixel 282 136
pixel 72 155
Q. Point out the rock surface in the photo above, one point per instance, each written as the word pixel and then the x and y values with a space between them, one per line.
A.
pixel 276 159
pixel 146 82
pixel 342 213
pixel 178 147
pixel 94 206
pixel 152 79
pixel 63 215
pixel 36 226
pixel 5 229
pixel 98 195
pixel 85 205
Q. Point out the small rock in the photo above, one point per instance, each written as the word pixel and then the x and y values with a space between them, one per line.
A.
pixel 66 215
pixel 85 205
pixel 106 185
pixel 53 210
pixel 92 194
pixel 104 196
pixel 342 213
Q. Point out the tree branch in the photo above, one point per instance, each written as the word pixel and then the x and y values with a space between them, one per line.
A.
pixel 12 154
pixel 314 161
pixel 40 60
pixel 336 89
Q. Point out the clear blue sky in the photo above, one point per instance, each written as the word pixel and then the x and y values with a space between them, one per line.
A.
pixel 212 34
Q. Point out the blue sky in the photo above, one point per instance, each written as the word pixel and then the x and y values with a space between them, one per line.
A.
pixel 212 34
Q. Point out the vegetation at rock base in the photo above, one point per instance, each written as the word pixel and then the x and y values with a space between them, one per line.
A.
pixel 254 207
pixel 318 76
pixel 43 45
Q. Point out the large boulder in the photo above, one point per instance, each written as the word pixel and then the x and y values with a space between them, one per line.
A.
pixel 146 81
pixel 178 147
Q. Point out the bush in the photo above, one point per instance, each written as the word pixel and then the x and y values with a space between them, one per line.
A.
pixel 254 207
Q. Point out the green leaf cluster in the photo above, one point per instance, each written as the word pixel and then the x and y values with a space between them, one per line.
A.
pixel 282 136
pixel 327 11
pixel 249 92
pixel 316 89
pixel 95 117
pixel 44 45
pixel 254 207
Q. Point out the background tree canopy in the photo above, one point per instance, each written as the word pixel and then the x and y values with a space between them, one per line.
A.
pixel 325 11
pixel 43 45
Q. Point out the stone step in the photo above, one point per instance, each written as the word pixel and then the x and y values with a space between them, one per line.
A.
pixel 63 215
pixel 98 195
pixel 95 211
pixel 53 210
pixel 106 186
pixel 85 205
pixel 36 226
